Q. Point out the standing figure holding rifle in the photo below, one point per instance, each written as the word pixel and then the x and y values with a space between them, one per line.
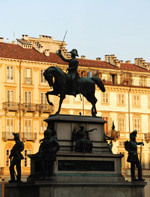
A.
pixel 15 158
pixel 131 147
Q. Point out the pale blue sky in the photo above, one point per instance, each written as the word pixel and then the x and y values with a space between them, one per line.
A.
pixel 95 27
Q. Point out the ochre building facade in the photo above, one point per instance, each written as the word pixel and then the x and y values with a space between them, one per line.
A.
pixel 23 104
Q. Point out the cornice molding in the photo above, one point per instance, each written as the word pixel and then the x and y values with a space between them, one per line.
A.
pixel 137 90
pixel 28 61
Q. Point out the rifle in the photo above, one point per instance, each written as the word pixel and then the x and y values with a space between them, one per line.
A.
pixel 141 150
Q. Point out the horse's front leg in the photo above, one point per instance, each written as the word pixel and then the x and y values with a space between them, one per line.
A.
pixel 50 93
pixel 62 97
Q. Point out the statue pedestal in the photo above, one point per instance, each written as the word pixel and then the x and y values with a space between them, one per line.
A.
pixel 79 174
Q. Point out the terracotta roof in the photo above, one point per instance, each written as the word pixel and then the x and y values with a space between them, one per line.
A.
pixel 17 52
pixel 96 63
pixel 132 67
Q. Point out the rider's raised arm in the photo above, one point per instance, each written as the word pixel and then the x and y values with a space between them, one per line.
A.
pixel 62 57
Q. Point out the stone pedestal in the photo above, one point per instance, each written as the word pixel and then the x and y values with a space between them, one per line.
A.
pixel 79 174
pixel 53 189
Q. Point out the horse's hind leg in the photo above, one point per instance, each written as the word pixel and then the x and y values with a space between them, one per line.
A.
pixel 93 110
pixel 92 99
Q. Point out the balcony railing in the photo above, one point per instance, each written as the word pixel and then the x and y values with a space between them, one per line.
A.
pixel 29 107
pixel 45 108
pixel 10 106
pixel 28 136
pixel 28 80
pixel 7 136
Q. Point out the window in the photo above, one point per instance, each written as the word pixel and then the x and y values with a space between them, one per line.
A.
pixel 148 97
pixel 7 161
pixel 43 98
pixel 105 98
pixel 10 73
pixel 43 126
pixel 26 158
pixel 121 124
pixel 136 124
pixel 28 124
pixel 10 125
pixel 113 78
pixel 10 96
pixel 28 97
pixel 28 76
pixel 121 99
pixel 143 81
pixel 136 100
pixel 43 80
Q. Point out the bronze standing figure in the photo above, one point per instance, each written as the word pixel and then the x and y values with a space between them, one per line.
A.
pixel 15 159
pixel 131 147
pixel 47 153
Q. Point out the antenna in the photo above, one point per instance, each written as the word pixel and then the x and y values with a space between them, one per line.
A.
pixel 14 36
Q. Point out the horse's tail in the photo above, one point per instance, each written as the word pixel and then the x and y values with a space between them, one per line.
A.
pixel 99 82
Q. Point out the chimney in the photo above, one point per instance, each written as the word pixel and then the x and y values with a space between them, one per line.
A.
pixel 141 63
pixel 1 39
pixel 46 52
pixel 45 37
pixel 128 62
pixel 25 37
pixel 39 48
pixel 107 58
pixel 112 59
pixel 83 57
pixel 98 59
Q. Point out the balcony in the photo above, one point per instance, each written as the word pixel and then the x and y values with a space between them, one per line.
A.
pixel 45 108
pixel 29 107
pixel 10 106
pixel 28 136
pixel 28 80
pixel 7 136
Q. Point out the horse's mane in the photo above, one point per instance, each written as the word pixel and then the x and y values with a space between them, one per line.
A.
pixel 55 68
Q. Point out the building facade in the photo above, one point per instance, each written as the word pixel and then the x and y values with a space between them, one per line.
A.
pixel 23 104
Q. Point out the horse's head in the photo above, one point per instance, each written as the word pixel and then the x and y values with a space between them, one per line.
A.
pixel 48 77
pixel 54 76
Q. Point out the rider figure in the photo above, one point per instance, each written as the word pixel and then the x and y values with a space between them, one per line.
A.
pixel 72 70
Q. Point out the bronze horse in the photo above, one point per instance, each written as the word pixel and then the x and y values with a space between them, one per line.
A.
pixel 61 86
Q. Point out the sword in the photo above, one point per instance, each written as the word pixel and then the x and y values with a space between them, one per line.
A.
pixel 63 40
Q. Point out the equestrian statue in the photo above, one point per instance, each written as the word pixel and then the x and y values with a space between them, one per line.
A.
pixel 71 83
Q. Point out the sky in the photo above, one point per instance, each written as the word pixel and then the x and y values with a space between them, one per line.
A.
pixel 94 27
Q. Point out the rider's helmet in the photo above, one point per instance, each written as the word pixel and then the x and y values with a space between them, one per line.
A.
pixel 74 52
